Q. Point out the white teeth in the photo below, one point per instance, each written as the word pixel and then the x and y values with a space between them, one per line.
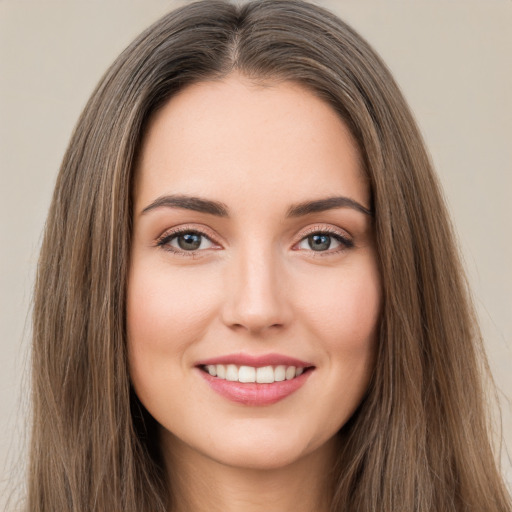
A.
pixel 280 373
pixel 231 372
pixel 265 375
pixel 247 374
pixel 221 371
pixel 290 372
pixel 262 375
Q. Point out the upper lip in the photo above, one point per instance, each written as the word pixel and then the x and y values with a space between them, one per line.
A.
pixel 255 361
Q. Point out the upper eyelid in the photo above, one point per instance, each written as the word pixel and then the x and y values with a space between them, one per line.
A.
pixel 324 229
pixel 203 231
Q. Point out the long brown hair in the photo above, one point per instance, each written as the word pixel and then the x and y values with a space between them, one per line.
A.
pixel 420 440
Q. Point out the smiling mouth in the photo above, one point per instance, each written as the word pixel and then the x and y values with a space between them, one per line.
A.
pixel 252 374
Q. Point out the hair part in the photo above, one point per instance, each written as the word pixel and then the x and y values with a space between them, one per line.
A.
pixel 419 441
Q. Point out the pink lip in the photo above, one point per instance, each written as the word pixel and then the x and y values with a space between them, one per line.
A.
pixel 256 361
pixel 252 393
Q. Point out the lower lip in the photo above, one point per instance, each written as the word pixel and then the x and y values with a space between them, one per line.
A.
pixel 252 393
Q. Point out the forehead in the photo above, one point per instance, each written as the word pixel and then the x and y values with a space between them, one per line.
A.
pixel 235 139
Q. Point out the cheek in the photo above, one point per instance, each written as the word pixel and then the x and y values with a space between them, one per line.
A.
pixel 166 313
pixel 165 309
pixel 345 311
pixel 343 316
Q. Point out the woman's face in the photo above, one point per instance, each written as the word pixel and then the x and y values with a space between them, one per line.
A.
pixel 253 259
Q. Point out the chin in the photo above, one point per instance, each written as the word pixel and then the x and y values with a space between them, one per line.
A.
pixel 265 449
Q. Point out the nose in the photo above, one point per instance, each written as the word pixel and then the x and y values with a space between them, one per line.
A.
pixel 256 297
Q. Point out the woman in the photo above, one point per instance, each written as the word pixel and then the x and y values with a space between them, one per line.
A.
pixel 248 294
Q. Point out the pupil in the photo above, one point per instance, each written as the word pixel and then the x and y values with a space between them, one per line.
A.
pixel 319 242
pixel 189 241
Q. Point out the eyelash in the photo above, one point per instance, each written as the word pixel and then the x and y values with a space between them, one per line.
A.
pixel 164 241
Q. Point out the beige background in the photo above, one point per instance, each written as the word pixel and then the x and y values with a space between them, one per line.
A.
pixel 452 59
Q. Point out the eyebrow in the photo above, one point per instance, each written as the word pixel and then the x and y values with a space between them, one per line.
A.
pixel 219 209
pixel 189 203
pixel 329 203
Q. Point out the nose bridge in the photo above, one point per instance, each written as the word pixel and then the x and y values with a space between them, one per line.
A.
pixel 256 294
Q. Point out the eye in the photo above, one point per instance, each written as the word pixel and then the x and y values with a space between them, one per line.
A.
pixel 183 241
pixel 325 241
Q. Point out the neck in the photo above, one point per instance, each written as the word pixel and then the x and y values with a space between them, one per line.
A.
pixel 201 484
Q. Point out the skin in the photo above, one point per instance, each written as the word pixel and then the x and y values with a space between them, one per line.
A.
pixel 254 286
